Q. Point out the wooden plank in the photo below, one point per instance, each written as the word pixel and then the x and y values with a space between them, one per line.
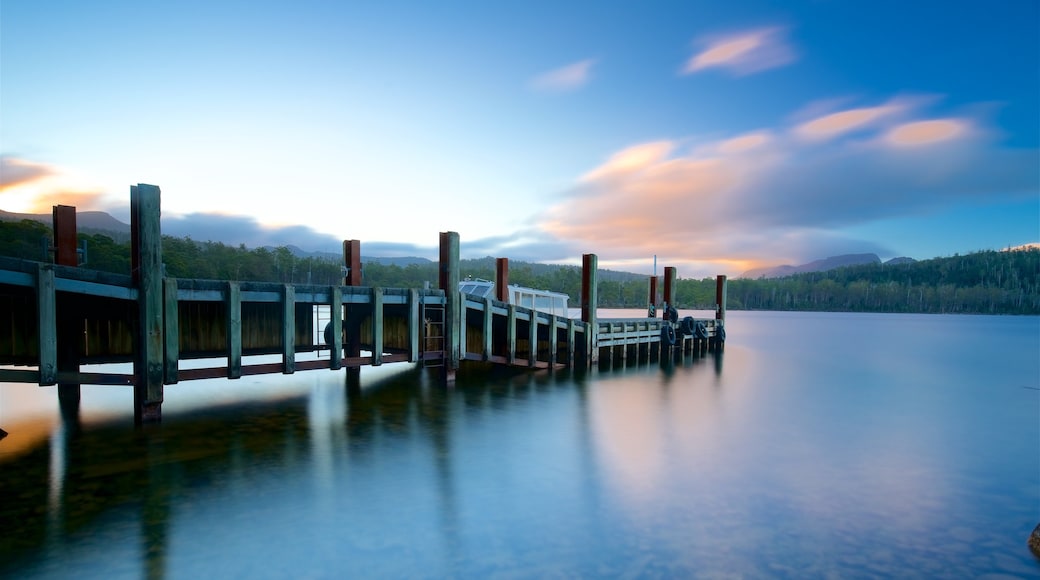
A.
pixel 336 320
pixel 288 329
pixel 233 304
pixel 47 317
pixel 377 326
pixel 171 331
pixel 511 333
pixel 19 376
pixel 489 316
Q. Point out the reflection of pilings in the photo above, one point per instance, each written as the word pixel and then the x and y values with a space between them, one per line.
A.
pixel 155 512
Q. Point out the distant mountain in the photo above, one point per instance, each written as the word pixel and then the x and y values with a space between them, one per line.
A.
pixel 336 257
pixel 96 221
pixel 816 266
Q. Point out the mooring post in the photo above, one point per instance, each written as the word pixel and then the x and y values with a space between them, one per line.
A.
pixel 652 311
pixel 502 280
pixel 449 282
pixel 720 312
pixel 589 302
pixel 720 297
pixel 352 322
pixel 146 272
pixel 669 287
pixel 69 314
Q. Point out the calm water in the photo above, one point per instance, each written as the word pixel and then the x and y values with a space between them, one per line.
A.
pixel 816 445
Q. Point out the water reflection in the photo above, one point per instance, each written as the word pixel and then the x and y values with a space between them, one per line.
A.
pixel 783 461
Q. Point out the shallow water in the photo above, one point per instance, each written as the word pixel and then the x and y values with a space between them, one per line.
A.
pixel 815 445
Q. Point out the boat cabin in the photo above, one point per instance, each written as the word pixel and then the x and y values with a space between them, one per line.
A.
pixel 541 300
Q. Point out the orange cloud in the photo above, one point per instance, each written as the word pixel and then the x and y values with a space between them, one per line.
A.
pixel 926 132
pixel 631 159
pixel 744 53
pixel 568 78
pixel 15 172
pixel 29 187
pixel 743 143
pixel 836 124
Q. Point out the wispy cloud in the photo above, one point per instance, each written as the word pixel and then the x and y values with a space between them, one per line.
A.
pixel 15 172
pixel 567 78
pixel 842 122
pixel 772 196
pixel 33 187
pixel 743 53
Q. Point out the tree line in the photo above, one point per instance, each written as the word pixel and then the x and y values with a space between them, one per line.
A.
pixel 986 282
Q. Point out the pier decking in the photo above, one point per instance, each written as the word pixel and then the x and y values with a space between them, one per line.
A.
pixel 55 317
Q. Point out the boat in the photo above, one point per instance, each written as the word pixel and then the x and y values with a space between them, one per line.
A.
pixel 541 300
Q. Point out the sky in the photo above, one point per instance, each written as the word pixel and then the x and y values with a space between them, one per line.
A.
pixel 715 136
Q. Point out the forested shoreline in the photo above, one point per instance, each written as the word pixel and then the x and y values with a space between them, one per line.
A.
pixel 985 282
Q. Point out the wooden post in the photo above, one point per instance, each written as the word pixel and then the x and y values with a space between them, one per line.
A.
pixel 449 282
pixel 352 262
pixel 146 272
pixel 70 317
pixel 336 322
pixel 233 310
pixel 511 332
pixel 47 318
pixel 414 325
pixel 352 322
pixel 171 331
pixel 488 328
pixel 589 301
pixel 502 279
pixel 652 311
pixel 532 339
pixel 377 326
pixel 720 297
pixel 669 286
pixel 288 329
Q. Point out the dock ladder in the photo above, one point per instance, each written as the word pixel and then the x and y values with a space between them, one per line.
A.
pixel 432 335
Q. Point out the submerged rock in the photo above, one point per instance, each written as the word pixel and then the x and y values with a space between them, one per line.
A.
pixel 1034 541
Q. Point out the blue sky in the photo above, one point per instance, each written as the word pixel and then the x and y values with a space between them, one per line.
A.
pixel 718 136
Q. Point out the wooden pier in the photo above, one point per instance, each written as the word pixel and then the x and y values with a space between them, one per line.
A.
pixel 56 317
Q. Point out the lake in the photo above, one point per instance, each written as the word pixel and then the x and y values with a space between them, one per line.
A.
pixel 816 445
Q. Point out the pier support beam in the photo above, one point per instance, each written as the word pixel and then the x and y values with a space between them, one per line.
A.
pixel 352 322
pixel 449 282
pixel 69 315
pixel 652 310
pixel 502 280
pixel 669 287
pixel 589 302
pixel 146 272
pixel 720 297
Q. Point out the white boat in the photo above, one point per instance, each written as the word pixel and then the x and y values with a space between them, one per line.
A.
pixel 541 300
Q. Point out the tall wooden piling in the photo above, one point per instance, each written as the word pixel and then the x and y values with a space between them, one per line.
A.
pixel 720 297
pixel 146 273
pixel 669 287
pixel 502 280
pixel 351 277
pixel 449 282
pixel 652 310
pixel 589 301
pixel 69 315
